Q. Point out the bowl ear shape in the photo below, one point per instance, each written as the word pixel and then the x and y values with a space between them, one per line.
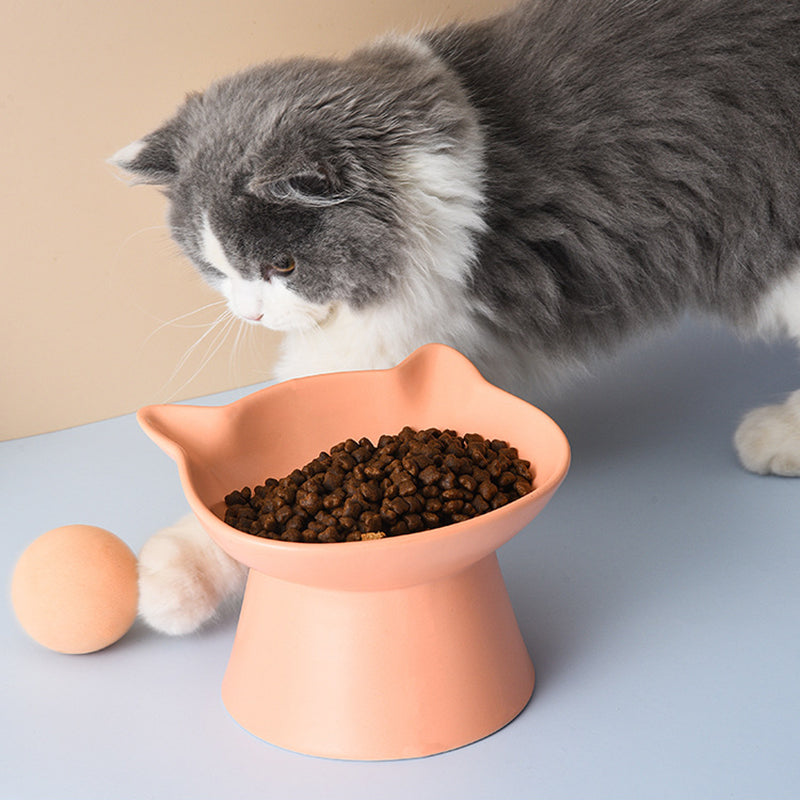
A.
pixel 433 366
pixel 182 431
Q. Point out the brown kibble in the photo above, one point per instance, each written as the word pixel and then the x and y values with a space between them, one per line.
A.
pixel 283 514
pixel 388 514
pixel 399 505
pixel 361 454
pixel 453 506
pixel 429 475
pixel 326 518
pixel 468 482
pixel 448 481
pixel 334 499
pixel 410 466
pixel 478 456
pixel 481 475
pixel 373 471
pixel 399 475
pixel 523 468
pixel 506 479
pixel 413 481
pixel 268 522
pixel 430 519
pixel 415 503
pixel 343 462
pixel 296 522
pixel 347 523
pixel 286 491
pixel 371 521
pixel 330 534
pixel 399 528
pixel 235 498
pixel 371 491
pixel 310 502
pixel 406 487
pixel 352 508
pixel 487 490
pixel 414 522
pixel 499 500
pixel 333 480
pixel 297 477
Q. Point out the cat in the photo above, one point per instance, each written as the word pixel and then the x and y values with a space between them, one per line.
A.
pixel 532 189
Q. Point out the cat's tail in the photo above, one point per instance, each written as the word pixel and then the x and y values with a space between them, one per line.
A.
pixel 185 578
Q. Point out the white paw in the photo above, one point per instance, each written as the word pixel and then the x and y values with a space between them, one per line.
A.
pixel 184 577
pixel 768 439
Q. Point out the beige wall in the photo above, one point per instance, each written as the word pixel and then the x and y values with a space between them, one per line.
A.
pixel 89 273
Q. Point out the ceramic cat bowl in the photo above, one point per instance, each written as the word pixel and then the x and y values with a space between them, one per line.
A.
pixel 395 648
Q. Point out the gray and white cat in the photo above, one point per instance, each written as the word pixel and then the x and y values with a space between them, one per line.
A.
pixel 531 189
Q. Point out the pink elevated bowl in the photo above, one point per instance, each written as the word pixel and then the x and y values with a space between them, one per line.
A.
pixel 384 649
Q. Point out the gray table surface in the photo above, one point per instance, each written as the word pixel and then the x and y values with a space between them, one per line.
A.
pixel 658 595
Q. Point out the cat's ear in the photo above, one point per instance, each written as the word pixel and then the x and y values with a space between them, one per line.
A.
pixel 311 182
pixel 152 159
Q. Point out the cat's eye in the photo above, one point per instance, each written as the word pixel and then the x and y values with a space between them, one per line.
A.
pixel 284 264
pixel 281 265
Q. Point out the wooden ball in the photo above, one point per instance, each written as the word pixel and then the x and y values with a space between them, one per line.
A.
pixel 75 590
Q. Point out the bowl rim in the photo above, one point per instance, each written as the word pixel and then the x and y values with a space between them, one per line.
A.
pixel 208 515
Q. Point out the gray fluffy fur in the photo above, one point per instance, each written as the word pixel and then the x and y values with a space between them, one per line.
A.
pixel 530 188
pixel 640 158
pixel 643 157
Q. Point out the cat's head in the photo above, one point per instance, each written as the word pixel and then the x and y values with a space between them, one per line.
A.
pixel 298 186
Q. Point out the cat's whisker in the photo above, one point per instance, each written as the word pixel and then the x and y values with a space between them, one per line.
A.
pixel 173 322
pixel 217 342
pixel 240 335
pixel 128 239
pixel 219 328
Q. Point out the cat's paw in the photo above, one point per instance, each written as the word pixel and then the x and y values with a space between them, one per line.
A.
pixel 768 438
pixel 184 577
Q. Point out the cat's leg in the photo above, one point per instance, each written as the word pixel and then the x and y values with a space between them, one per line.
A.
pixel 184 577
pixel 768 438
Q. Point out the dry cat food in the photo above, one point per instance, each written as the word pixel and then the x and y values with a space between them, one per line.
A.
pixel 414 481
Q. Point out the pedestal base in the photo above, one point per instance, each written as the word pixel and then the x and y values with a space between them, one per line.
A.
pixel 378 675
